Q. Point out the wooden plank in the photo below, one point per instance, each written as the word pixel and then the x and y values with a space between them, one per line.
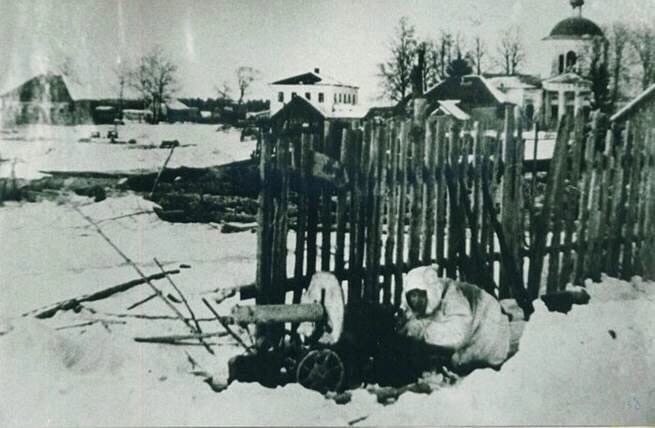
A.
pixel 476 194
pixel 372 237
pixel 416 195
pixel 430 200
pixel 633 197
pixel 619 197
pixel 583 210
pixel 354 266
pixel 591 266
pixel 442 150
pixel 303 150
pixel 553 186
pixel 645 217
pixel 280 222
pixel 400 247
pixel 510 212
pixel 493 187
pixel 648 249
pixel 486 232
pixel 365 204
pixel 572 199
pixel 386 137
pixel 342 207
pixel 264 217
pixel 392 216
pixel 326 200
pixel 453 164
pixel 313 191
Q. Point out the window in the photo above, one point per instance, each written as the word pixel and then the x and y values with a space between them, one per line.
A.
pixel 561 64
pixel 321 97
pixel 354 99
pixel 280 97
pixel 308 95
pixel 335 98
pixel 340 97
pixel 571 59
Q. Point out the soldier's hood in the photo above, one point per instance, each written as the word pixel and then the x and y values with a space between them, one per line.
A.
pixel 425 278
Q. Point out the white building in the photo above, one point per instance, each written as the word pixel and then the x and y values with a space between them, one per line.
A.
pixel 325 92
pixel 559 88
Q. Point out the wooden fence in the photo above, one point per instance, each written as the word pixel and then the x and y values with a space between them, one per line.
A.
pixel 370 203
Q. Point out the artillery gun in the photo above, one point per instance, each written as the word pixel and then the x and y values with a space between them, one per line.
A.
pixel 326 352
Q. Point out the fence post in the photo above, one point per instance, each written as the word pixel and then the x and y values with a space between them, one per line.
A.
pixel 542 223
pixel 392 211
pixel 303 152
pixel 403 148
pixel 342 206
pixel 264 218
pixel 511 211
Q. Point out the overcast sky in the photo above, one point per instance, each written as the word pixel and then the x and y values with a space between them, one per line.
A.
pixel 209 39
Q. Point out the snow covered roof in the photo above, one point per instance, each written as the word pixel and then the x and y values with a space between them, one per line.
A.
pixel 644 96
pixel 450 108
pixel 89 90
pixel 568 78
pixel 516 81
pixel 345 111
pixel 176 104
pixel 314 77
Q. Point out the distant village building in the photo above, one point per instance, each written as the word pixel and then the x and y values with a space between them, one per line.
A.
pixel 463 98
pixel 326 93
pixel 176 111
pixel 45 98
pixel 560 87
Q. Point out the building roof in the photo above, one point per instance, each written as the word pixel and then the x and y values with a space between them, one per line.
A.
pixel 575 27
pixel 450 108
pixel 634 104
pixel 314 77
pixel 302 106
pixel 570 77
pixel 514 81
pixel 176 104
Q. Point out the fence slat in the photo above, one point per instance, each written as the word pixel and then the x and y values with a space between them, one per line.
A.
pixel 342 207
pixel 280 223
pixel 312 207
pixel 392 211
pixel 354 259
pixel 303 150
pixel 400 246
pixel 327 147
pixel 553 187
pixel 430 200
pixel 417 141
pixel 631 217
pixel 372 236
pixel 442 150
pixel 510 209
pixel 452 165
pixel 264 218
pixel 572 196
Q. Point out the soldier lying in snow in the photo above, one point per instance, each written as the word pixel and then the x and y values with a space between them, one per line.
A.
pixel 456 318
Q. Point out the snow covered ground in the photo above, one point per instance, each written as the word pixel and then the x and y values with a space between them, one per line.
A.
pixel 38 148
pixel 595 365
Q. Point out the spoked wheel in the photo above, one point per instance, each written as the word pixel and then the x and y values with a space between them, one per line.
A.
pixel 321 370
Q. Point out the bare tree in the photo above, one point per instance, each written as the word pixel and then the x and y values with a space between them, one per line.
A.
pixel 245 77
pixel 618 37
pixel 439 54
pixel 478 52
pixel 223 91
pixel 642 40
pixel 511 53
pixel 155 78
pixel 396 73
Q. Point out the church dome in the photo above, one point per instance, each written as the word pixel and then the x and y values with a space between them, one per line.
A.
pixel 576 27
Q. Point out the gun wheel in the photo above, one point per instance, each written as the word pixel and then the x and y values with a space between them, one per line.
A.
pixel 321 370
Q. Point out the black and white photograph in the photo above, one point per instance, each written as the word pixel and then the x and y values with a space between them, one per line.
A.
pixel 327 213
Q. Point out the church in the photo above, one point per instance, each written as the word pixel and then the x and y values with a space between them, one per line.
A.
pixel 560 87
